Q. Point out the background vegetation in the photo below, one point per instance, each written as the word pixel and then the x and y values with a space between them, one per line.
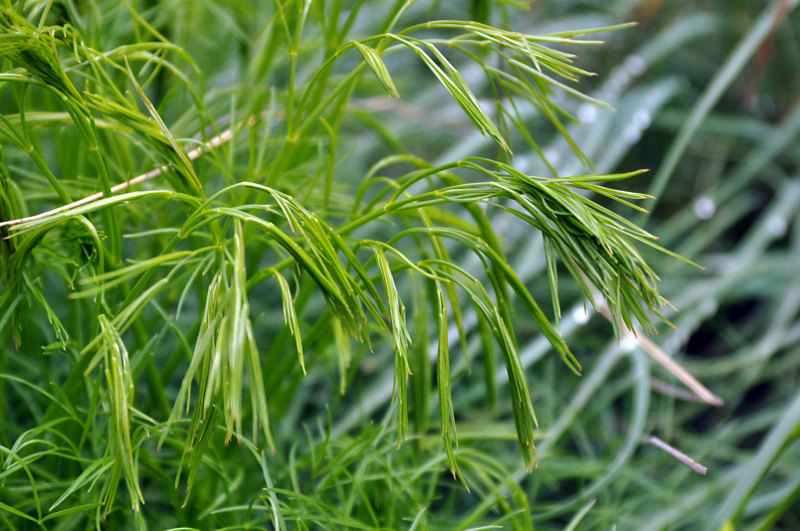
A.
pixel 129 362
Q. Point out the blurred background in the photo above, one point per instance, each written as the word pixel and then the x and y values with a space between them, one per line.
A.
pixel 707 96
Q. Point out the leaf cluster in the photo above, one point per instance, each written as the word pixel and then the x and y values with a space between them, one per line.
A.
pixel 256 251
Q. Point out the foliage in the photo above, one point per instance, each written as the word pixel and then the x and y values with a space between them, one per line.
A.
pixel 305 226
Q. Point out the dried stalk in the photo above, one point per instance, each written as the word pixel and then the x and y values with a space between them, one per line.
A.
pixel 677 455
pixel 666 361
pixel 215 142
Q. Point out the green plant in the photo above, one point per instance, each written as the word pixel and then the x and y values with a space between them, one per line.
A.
pixel 287 243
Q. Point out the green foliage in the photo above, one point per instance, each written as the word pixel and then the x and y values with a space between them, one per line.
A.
pixel 306 227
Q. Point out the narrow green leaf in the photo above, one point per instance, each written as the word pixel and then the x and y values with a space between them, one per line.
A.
pixel 376 64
